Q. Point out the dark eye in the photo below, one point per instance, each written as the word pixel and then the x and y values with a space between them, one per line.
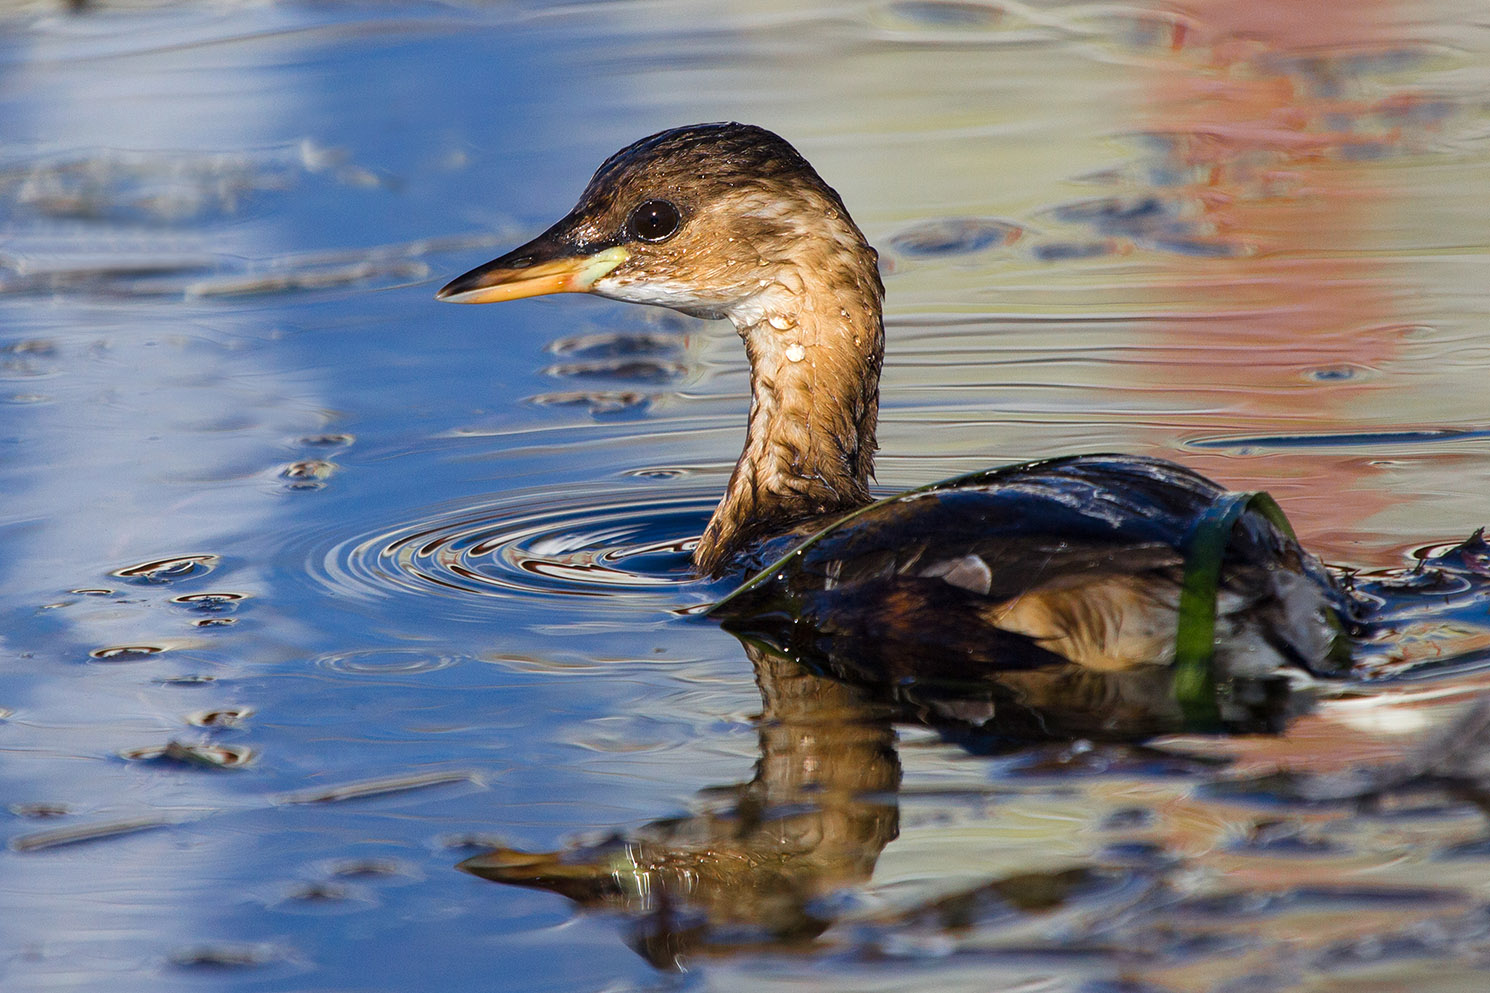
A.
pixel 655 220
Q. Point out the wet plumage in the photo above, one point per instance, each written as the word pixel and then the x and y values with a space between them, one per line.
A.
pixel 1075 562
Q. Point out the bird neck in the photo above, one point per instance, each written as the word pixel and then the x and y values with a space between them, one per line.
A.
pixel 815 341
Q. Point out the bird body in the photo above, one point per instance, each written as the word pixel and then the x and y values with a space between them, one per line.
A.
pixel 1072 562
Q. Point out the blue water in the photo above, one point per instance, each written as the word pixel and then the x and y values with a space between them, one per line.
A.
pixel 404 581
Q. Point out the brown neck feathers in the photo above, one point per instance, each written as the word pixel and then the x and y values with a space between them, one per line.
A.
pixel 815 341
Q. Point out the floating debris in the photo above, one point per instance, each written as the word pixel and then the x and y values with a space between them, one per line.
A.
pixel 307 474
pixel 190 679
pixel 227 956
pixel 40 810
pixel 328 440
pixel 371 868
pixel 223 717
pixel 168 570
pixel 199 756
pixel 125 653
pixel 377 787
pixel 84 833
pixel 210 602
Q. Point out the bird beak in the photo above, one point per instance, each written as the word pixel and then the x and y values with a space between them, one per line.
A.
pixel 538 268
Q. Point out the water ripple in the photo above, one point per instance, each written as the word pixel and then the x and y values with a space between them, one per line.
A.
pixel 387 661
pixel 628 549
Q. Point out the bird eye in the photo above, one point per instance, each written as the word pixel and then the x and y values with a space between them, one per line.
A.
pixel 655 220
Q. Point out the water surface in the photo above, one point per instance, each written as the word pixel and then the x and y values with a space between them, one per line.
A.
pixel 314 589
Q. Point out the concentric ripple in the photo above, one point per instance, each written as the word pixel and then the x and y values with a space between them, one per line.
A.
pixel 628 549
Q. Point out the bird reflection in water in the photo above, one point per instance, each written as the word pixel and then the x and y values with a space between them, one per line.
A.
pixel 757 866
pixel 751 865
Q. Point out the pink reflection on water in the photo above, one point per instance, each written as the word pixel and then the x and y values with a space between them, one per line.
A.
pixel 1277 119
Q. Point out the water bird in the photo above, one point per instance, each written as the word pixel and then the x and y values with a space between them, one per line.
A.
pixel 1078 562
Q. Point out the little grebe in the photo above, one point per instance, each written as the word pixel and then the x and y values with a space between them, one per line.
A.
pixel 1071 561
